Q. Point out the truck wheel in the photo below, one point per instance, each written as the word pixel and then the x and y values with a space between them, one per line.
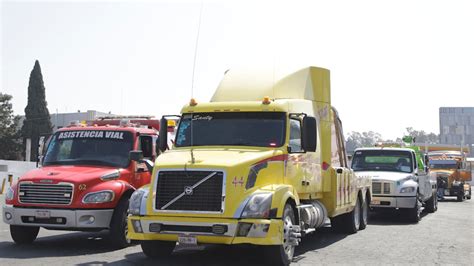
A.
pixel 469 195
pixel 283 254
pixel 119 226
pixel 432 203
pixel 364 214
pixel 23 234
pixel 414 214
pixel 460 198
pixel 157 249
pixel 348 223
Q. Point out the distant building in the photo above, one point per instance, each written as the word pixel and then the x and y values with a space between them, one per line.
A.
pixel 456 126
pixel 59 120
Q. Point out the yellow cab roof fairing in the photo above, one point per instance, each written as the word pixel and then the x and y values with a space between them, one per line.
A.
pixel 310 83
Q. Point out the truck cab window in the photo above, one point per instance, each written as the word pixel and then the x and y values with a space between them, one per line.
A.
pixel 295 136
pixel 146 146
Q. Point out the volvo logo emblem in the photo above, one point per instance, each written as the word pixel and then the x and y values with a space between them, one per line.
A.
pixel 46 181
pixel 188 190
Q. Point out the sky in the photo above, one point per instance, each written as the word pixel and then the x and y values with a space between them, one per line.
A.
pixel 392 63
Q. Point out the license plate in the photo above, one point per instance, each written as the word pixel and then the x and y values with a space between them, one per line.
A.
pixel 375 202
pixel 446 192
pixel 187 240
pixel 42 214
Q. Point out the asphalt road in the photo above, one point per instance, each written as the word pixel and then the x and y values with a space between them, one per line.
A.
pixel 445 237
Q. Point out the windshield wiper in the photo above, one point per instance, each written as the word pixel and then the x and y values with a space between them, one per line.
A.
pixel 58 162
pixel 95 162
pixel 241 143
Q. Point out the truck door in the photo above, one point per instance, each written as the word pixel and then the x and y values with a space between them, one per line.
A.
pixel 142 176
pixel 424 184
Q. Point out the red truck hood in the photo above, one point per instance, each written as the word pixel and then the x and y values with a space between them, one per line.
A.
pixel 66 173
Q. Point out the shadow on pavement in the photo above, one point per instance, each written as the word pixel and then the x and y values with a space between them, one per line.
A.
pixel 208 255
pixel 322 238
pixel 72 244
pixel 391 217
pixel 227 255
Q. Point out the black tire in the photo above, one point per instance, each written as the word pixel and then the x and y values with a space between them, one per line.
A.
pixel 348 223
pixel 460 198
pixel 414 214
pixel 118 225
pixel 157 249
pixel 469 195
pixel 364 214
pixel 23 234
pixel 432 203
pixel 283 254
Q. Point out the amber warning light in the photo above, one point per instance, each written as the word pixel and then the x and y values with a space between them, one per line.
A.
pixel 192 102
pixel 266 100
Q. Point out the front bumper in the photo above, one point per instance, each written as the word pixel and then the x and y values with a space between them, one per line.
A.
pixel 58 218
pixel 392 202
pixel 237 231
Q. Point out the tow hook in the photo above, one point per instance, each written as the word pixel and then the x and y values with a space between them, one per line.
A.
pixel 295 235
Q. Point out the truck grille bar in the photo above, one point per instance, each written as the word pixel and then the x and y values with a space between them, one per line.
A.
pixel 190 191
pixel 54 194
pixel 381 187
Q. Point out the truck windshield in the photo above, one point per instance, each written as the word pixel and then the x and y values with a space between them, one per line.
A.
pixel 262 129
pixel 443 164
pixel 89 147
pixel 382 160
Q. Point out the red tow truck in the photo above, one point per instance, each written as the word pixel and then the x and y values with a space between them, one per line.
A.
pixel 85 181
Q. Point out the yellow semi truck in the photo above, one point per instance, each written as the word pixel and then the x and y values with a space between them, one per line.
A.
pixel 263 163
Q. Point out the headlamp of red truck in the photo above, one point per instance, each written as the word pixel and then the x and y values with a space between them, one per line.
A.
pixel 99 197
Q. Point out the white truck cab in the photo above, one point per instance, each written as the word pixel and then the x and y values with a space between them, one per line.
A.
pixel 399 177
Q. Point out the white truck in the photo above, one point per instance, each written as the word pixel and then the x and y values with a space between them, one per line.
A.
pixel 400 179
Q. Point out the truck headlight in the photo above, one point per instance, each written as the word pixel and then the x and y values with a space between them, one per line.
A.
pixel 258 206
pixel 407 190
pixel 138 197
pixel 10 194
pixel 99 197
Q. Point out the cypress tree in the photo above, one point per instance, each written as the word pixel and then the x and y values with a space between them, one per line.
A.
pixel 37 121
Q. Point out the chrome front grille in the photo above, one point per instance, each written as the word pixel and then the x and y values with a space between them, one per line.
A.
pixel 190 191
pixel 381 187
pixel 57 194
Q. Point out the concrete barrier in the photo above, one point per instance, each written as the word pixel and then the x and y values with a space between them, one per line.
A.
pixel 10 172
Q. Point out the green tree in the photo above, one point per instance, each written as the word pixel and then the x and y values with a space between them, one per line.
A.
pixel 37 120
pixel 358 140
pixel 421 136
pixel 9 135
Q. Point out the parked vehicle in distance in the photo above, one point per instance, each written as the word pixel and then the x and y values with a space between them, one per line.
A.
pixel 263 163
pixel 452 173
pixel 85 181
pixel 400 179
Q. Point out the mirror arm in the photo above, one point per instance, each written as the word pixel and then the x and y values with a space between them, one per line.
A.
pixel 149 164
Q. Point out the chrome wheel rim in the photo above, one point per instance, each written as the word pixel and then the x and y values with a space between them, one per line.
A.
pixel 357 215
pixel 365 213
pixel 287 246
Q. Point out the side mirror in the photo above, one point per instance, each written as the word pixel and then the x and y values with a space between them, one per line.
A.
pixel 309 134
pixel 136 156
pixel 163 138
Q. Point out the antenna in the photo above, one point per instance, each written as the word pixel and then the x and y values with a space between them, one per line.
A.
pixel 193 160
pixel 196 50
